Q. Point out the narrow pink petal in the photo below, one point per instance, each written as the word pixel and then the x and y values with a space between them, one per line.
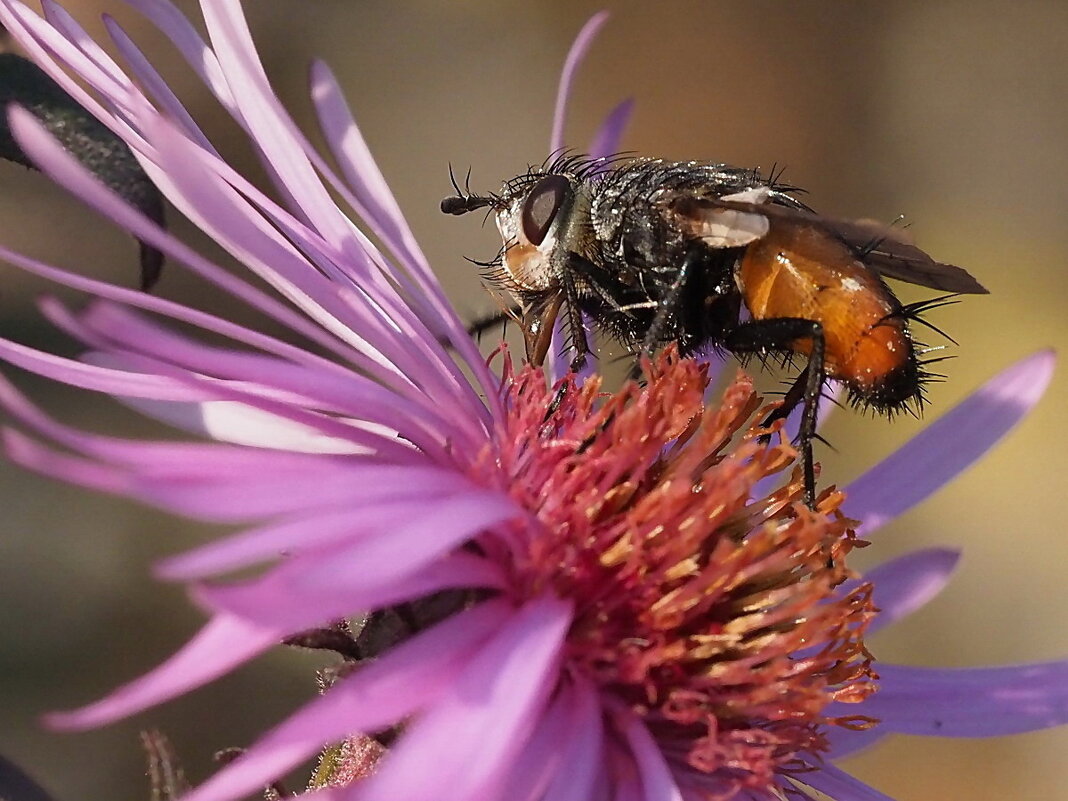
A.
pixel 536 766
pixel 224 643
pixel 905 584
pixel 842 742
pixel 148 77
pixel 396 685
pixel 374 198
pixel 606 141
pixel 345 332
pixel 241 424
pixel 371 436
pixel 44 45
pixel 968 702
pixel 582 760
pixel 839 785
pixel 30 454
pixel 62 168
pixel 171 460
pixel 385 351
pixel 319 529
pixel 153 303
pixel 97 378
pixel 460 570
pixel 420 540
pixel 68 27
pixel 371 197
pixel 340 578
pixel 347 392
pixel 173 24
pixel 374 201
pixel 473 733
pixel 218 482
pixel 948 446
pixel 571 65
pixel 228 217
pixel 657 781
pixel 269 126
pixel 261 497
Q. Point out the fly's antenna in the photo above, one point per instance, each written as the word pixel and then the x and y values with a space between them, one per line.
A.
pixel 463 202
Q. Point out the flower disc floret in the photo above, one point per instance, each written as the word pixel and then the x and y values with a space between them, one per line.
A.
pixel 718 617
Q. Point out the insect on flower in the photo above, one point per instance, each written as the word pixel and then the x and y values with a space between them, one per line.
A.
pixel 657 251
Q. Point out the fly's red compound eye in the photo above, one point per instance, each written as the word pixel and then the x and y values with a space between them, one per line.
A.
pixel 542 205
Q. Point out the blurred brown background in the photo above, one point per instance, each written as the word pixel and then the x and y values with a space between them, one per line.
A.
pixel 953 112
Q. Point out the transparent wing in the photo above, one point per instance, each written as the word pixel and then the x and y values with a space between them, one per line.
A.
pixel 881 248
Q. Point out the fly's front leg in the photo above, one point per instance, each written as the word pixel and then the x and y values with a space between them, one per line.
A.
pixel 576 329
pixel 779 334
pixel 480 325
pixel 668 306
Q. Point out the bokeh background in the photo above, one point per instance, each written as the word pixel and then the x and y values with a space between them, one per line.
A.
pixel 952 112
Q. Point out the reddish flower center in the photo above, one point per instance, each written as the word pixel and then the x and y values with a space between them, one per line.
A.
pixel 718 617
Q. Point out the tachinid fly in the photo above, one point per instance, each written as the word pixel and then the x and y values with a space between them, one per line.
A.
pixel 711 256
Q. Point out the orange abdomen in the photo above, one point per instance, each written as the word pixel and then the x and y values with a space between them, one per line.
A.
pixel 798 270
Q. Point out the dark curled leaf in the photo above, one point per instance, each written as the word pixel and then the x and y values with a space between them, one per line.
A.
pixel 17 786
pixel 86 138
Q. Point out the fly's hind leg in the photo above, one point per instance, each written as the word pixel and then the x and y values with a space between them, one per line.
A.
pixel 778 334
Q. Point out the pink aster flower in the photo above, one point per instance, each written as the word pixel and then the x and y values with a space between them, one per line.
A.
pixel 634 614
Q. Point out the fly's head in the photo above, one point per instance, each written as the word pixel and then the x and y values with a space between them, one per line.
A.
pixel 543 218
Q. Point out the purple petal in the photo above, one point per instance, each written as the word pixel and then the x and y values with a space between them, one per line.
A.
pixel 290 537
pixel 574 59
pixel 558 360
pixel 949 445
pixel 268 124
pixel 374 197
pixel 844 742
pixel 839 785
pixel 30 454
pixel 192 461
pixel 398 684
pixel 227 216
pixel 62 168
pixel 656 777
pixel 173 24
pixel 93 377
pixel 606 141
pixel 365 568
pixel 340 391
pixel 537 764
pixel 241 424
pixel 69 28
pixel 42 42
pixel 223 644
pixel 371 197
pixel 482 722
pixel 148 77
pixel 299 611
pixel 158 305
pixel 189 461
pixel 967 702
pixel 582 755
pixel 905 584
pixel 256 498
